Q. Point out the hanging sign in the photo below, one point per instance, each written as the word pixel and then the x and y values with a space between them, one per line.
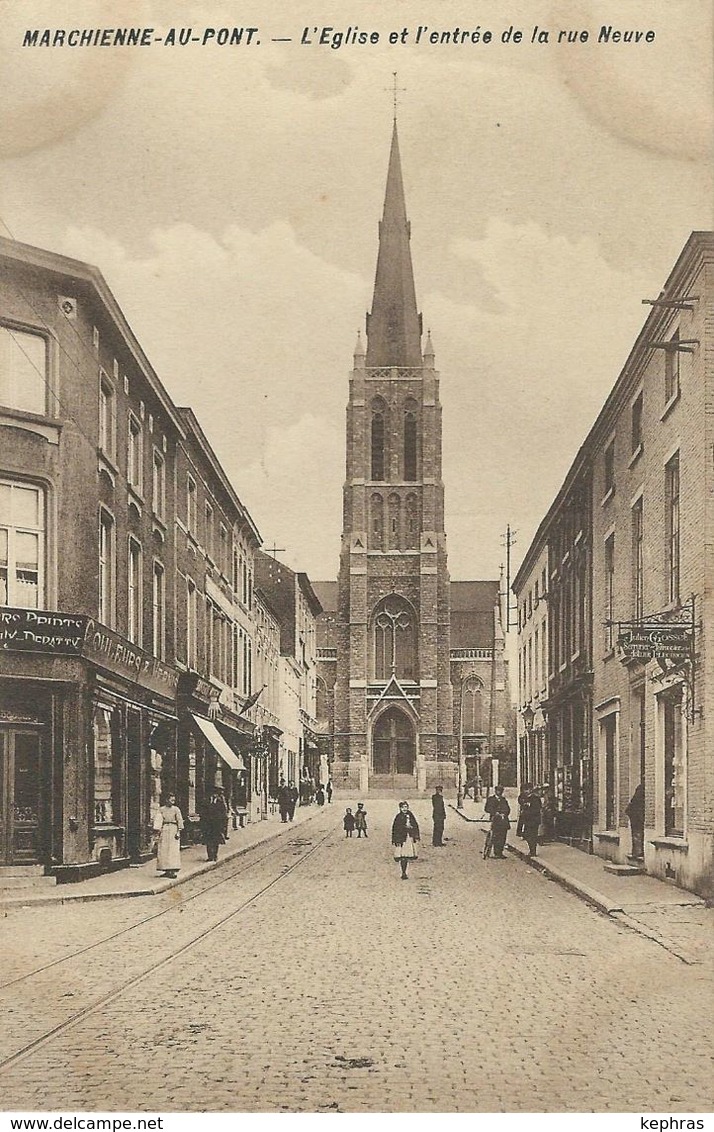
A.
pixel 638 641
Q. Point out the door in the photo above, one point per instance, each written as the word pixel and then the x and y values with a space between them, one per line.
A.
pixel 19 796
pixel 134 786
pixel 393 746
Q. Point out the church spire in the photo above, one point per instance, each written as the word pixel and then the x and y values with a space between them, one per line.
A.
pixel 394 325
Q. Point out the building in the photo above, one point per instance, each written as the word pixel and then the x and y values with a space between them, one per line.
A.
pixel 125 582
pixel 629 541
pixel 531 589
pixel 386 664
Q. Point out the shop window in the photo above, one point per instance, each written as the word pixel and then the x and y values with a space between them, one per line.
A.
pixel 104 792
pixel 23 370
pixel 135 454
pixel 672 528
pixel 22 545
pixel 394 640
pixel 107 568
pixel 674 762
pixel 107 416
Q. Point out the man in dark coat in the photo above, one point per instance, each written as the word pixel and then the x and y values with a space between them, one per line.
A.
pixel 635 811
pixel 529 819
pixel 214 818
pixel 438 814
pixel 284 800
pixel 498 810
pixel 292 799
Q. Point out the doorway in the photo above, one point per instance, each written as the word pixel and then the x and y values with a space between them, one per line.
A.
pixel 19 796
pixel 393 748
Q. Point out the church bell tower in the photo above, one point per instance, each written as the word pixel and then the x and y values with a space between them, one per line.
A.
pixel 393 716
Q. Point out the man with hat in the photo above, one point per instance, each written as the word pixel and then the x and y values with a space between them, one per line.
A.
pixel 214 817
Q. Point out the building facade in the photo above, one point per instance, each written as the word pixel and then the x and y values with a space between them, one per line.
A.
pixel 531 589
pixel 386 666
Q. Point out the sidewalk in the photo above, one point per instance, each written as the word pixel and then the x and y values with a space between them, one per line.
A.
pixel 142 880
pixel 652 907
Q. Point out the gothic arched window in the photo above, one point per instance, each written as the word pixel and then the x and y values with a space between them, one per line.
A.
pixel 394 521
pixel 378 432
pixel 394 631
pixel 411 522
pixel 376 521
pixel 410 439
pixel 472 721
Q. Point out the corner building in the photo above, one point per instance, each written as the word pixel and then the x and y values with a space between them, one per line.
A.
pixel 387 672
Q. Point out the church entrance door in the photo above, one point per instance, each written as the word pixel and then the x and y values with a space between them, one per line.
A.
pixel 393 749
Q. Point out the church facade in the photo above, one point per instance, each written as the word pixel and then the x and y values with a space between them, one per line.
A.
pixel 402 709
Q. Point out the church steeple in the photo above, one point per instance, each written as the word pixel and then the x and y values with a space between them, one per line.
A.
pixel 394 324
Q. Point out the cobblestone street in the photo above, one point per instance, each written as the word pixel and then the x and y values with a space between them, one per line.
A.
pixel 475 986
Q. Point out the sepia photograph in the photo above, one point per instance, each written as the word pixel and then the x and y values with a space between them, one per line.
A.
pixel 356 502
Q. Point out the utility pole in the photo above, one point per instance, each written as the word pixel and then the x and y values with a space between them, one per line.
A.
pixel 508 540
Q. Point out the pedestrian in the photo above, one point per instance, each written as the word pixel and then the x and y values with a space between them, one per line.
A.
pixel 405 836
pixel 283 800
pixel 524 794
pixel 438 814
pixel 320 794
pixel 361 820
pixel 214 822
pixel 529 819
pixel 168 823
pixel 348 822
pixel 498 810
pixel 292 800
pixel 328 791
pixel 635 810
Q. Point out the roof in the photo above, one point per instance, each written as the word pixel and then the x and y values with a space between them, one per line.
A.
pixel 326 595
pixel 474 596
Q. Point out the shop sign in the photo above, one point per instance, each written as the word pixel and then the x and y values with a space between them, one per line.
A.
pixel 655 642
pixel 65 634
pixel 38 630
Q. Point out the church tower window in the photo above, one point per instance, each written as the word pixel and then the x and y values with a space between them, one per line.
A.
pixel 410 441
pixel 394 637
pixel 377 522
pixel 411 533
pixel 378 434
pixel 395 516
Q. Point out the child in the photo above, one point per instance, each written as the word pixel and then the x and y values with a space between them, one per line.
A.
pixel 348 822
pixel 361 820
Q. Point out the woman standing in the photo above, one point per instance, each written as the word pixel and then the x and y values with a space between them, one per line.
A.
pixel 168 823
pixel 405 835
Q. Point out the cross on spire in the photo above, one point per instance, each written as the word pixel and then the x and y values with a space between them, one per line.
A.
pixel 274 550
pixel 396 90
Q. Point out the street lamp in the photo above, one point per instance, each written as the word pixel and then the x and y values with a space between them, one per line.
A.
pixel 460 787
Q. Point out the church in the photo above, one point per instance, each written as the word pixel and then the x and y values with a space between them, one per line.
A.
pixel 412 683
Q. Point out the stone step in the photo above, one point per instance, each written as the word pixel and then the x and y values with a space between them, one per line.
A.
pixel 11 884
pixel 624 870
pixel 21 871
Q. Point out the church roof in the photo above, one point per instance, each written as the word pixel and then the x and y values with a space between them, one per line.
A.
pixel 394 324
pixel 326 595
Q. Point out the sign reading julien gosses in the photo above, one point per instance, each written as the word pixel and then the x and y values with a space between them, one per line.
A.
pixel 638 641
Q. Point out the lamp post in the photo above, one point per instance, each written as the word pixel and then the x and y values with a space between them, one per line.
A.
pixel 460 787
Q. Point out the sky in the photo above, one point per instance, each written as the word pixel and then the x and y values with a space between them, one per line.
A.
pixel 231 196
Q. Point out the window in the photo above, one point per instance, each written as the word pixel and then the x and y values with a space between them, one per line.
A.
pixel 191 623
pixel 235 572
pixel 394 507
pixel 223 548
pixel 107 570
pixel 610 593
pixel 107 405
pixel 158 611
pixel 410 444
pixel 378 461
pixel 104 794
pixel 638 571
pixel 191 504
pixel 135 454
pixel 671 369
pixel 208 638
pixel 610 467
pixel 637 422
pixel 472 707
pixel 23 370
pixel 395 640
pixel 209 530
pixel 134 593
pixel 411 541
pixel 22 545
pixel 536 659
pixel 377 522
pixel 609 739
pixel 671 488
pixel 158 484
pixel 674 776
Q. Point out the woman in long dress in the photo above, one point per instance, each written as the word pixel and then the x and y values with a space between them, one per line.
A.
pixel 405 835
pixel 168 823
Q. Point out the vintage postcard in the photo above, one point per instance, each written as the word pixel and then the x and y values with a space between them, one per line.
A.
pixel 356 528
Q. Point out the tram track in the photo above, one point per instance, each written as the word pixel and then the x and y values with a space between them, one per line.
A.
pixel 127 984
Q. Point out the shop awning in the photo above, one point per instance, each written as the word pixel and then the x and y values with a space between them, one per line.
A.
pixel 219 744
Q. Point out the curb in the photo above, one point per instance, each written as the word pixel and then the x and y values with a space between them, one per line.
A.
pixel 483 820
pixel 149 890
